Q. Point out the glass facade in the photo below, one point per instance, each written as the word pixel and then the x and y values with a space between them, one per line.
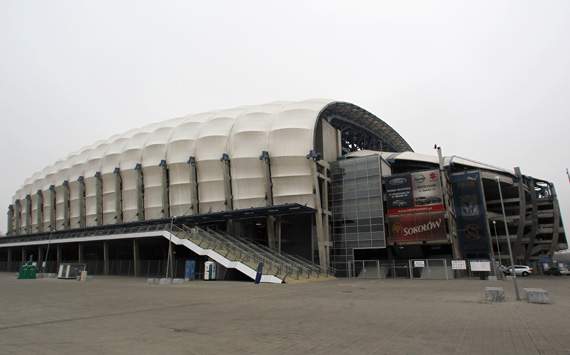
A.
pixel 357 208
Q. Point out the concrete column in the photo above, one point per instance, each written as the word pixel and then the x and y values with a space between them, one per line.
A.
pixel 227 182
pixel 278 233
pixel 106 257
pixel 52 214
pixel 98 199
pixel 23 255
pixel 66 218
pixel 28 214
pixel 195 207
pixel 58 255
pixel 9 259
pixel 40 256
pixel 40 211
pixel 82 212
pixel 267 174
pixel 136 258
pixel 118 196
pixel 270 226
pixel 165 186
pixel 10 221
pixel 80 253
pixel 140 192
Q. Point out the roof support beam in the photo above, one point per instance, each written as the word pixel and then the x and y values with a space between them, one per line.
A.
pixel 140 192
pixel 165 212
pixel 98 199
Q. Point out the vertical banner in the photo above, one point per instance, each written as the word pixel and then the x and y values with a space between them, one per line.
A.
pixel 471 217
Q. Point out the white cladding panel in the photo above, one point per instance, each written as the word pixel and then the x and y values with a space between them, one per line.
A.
pixel 59 207
pixel 91 201
pixel 35 213
pixel 284 129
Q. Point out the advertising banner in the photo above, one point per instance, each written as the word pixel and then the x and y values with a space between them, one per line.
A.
pixel 458 265
pixel 414 193
pixel 417 227
pixel 471 216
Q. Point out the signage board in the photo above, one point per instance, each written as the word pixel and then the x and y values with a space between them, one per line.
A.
pixel 471 217
pixel 419 263
pixel 417 227
pixel 417 192
pixel 458 265
pixel 480 265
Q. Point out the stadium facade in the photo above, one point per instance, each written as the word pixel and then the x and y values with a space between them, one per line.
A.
pixel 307 188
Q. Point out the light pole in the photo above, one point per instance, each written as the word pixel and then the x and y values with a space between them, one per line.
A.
pixel 497 239
pixel 513 272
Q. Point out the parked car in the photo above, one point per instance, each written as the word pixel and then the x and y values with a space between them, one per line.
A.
pixel 520 270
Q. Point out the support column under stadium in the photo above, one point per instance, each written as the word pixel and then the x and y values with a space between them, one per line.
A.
pixel 80 253
pixel 106 258
pixel 321 242
pixel 58 255
pixel 136 257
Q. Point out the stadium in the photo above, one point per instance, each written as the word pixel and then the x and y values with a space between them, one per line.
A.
pixel 308 189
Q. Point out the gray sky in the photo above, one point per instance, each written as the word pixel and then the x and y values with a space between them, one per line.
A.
pixel 488 80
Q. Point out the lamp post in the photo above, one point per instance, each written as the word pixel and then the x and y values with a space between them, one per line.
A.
pixel 497 239
pixel 513 272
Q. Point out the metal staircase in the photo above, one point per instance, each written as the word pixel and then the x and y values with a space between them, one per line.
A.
pixel 236 249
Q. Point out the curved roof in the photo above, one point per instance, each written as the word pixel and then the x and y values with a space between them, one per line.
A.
pixel 284 129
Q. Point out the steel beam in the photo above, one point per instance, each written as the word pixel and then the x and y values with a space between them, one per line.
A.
pixel 522 215
pixel 28 214
pixel 534 218
pixel 195 200
pixel 66 214
pixel 165 193
pixel 118 196
pixel 321 241
pixel 40 211
pixel 98 199
pixel 556 223
pixel 10 230
pixel 267 175
pixel 229 204
pixel 82 216
pixel 140 192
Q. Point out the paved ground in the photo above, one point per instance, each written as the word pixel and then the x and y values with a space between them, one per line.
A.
pixel 127 316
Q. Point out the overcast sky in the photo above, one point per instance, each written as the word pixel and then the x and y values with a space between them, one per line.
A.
pixel 487 80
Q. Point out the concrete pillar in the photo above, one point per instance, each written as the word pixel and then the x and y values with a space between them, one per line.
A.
pixel 80 253
pixel 278 233
pixel 118 196
pixel 225 159
pixel 82 212
pixel 270 226
pixel 165 185
pixel 136 258
pixel 10 230
pixel 98 199
pixel 28 214
pixel 66 215
pixel 9 259
pixel 23 255
pixel 58 255
pixel 106 257
pixel 52 214
pixel 40 256
pixel 195 206
pixel 140 192
pixel 40 211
